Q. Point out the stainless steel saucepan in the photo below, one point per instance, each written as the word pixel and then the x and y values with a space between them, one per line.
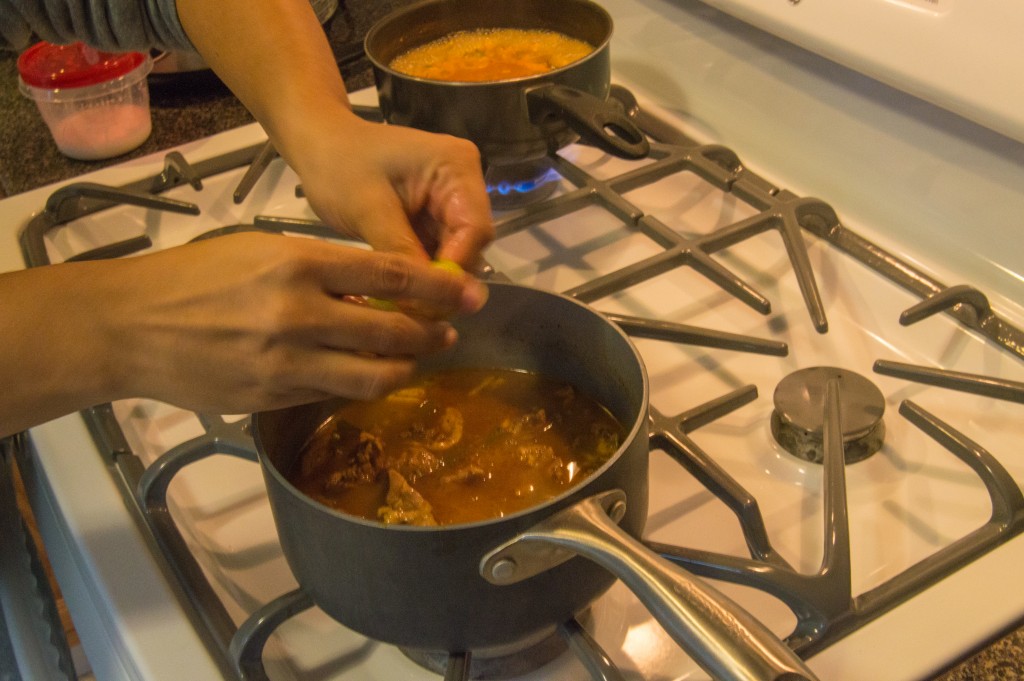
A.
pixel 489 584
pixel 516 120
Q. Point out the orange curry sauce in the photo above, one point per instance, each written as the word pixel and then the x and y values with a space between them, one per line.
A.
pixel 457 446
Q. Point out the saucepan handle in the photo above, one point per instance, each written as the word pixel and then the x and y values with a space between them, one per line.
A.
pixel 724 639
pixel 599 122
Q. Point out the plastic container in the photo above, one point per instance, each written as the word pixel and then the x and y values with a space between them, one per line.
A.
pixel 96 104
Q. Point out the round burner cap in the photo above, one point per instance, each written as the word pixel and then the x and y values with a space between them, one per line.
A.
pixel 799 416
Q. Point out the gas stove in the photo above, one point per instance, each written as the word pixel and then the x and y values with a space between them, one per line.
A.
pixel 804 245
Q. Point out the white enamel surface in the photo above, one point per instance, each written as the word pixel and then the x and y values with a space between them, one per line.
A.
pixel 963 55
pixel 885 168
pixel 944 188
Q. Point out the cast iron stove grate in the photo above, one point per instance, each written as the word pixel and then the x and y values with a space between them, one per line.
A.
pixel 823 602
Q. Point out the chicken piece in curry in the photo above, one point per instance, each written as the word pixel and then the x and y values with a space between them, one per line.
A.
pixel 494 54
pixel 457 446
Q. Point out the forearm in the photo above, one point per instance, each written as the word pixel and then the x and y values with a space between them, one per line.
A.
pixel 230 325
pixel 275 57
pixel 55 356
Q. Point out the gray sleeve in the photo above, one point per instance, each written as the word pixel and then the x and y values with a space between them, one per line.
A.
pixel 113 25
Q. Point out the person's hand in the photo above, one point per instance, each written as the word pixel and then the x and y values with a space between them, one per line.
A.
pixel 253 321
pixel 234 324
pixel 401 190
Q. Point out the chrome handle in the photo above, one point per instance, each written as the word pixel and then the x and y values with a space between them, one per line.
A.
pixel 724 639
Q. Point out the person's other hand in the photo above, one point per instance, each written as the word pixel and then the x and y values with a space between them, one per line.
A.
pixel 253 321
pixel 401 190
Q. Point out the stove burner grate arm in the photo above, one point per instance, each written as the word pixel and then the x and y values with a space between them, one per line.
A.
pixel 987 386
pixel 823 603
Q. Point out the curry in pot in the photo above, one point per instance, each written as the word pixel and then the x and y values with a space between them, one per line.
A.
pixel 491 55
pixel 457 446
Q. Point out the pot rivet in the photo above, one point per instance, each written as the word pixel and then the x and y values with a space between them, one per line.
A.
pixel 617 511
pixel 504 569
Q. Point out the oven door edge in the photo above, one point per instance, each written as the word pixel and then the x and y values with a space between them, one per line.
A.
pixel 126 613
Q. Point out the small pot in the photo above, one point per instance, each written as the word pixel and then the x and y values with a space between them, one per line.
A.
pixel 511 121
pixel 494 584
pixel 420 587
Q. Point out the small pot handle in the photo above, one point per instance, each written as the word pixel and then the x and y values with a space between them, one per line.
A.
pixel 595 120
pixel 723 638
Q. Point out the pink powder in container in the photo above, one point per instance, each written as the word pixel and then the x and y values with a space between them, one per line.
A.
pixel 96 104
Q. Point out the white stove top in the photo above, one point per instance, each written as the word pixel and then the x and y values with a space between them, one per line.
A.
pixel 961 56
pixel 884 163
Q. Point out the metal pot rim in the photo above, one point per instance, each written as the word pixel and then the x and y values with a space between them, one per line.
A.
pixel 538 78
pixel 637 429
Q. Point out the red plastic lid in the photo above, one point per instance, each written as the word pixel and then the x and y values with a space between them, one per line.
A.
pixel 49 66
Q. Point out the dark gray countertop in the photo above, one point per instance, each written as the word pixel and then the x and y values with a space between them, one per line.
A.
pixel 183 108
pixel 187 109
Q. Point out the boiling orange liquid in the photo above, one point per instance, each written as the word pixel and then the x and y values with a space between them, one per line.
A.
pixel 491 54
